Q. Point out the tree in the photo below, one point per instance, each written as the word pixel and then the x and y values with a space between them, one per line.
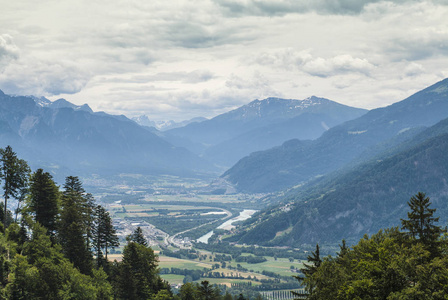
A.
pixel 308 270
pixel 14 173
pixel 420 223
pixel 137 237
pixel 138 273
pixel 104 233
pixel 207 292
pixel 188 291
pixel 44 200
pixel 74 231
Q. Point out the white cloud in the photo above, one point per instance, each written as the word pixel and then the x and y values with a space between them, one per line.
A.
pixel 187 58
pixel 43 78
pixel 317 66
pixel 414 69
pixel 8 50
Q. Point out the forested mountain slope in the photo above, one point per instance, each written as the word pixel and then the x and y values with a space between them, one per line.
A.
pixel 62 136
pixel 283 167
pixel 370 197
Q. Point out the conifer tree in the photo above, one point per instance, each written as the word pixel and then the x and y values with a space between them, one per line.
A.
pixel 73 226
pixel 308 270
pixel 420 224
pixel 104 234
pixel 138 273
pixel 137 237
pixel 44 200
pixel 14 173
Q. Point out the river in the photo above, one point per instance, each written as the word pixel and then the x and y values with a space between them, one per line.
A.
pixel 244 215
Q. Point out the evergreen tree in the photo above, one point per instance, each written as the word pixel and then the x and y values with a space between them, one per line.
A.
pixel 104 234
pixel 308 270
pixel 14 173
pixel 420 225
pixel 188 291
pixel 44 200
pixel 138 277
pixel 207 291
pixel 74 232
pixel 137 237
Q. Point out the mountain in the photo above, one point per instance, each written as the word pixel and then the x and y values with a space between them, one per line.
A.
pixel 260 125
pixel 295 163
pixel 370 197
pixel 69 138
pixel 143 120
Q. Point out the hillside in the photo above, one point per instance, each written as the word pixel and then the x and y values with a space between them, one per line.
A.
pixel 62 136
pixel 370 197
pixel 260 125
pixel 283 167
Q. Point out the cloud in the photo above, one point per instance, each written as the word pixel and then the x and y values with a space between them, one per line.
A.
pixel 8 50
pixel 283 7
pixel 196 76
pixel 38 77
pixel 315 66
pixel 414 69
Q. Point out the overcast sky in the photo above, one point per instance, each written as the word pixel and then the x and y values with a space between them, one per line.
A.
pixel 178 59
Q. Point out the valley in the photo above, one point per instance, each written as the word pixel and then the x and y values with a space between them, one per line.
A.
pixel 178 217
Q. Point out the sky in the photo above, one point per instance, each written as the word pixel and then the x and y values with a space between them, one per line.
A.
pixel 181 59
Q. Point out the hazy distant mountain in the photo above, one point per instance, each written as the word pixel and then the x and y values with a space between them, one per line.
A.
pixel 164 125
pixel 260 125
pixel 370 197
pixel 63 136
pixel 289 165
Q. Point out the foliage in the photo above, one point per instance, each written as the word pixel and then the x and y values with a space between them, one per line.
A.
pixel 387 265
pixel 103 234
pixel 47 254
pixel 14 173
pixel 44 200
pixel 137 237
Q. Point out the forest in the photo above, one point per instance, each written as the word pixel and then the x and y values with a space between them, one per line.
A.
pixel 407 262
pixel 55 245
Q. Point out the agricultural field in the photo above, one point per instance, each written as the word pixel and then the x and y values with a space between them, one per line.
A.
pixel 172 214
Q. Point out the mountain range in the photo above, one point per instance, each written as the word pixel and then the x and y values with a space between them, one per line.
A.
pixel 371 190
pixel 260 125
pixel 143 120
pixel 350 204
pixel 296 162
pixel 63 138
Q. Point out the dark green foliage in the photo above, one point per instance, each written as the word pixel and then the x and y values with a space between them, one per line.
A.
pixel 43 201
pixel 388 265
pixel 74 230
pixel 420 224
pixel 14 173
pixel 49 256
pixel 104 235
pixel 138 237
pixel 138 273
pixel 207 291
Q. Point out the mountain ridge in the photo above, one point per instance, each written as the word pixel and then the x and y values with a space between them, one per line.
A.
pixel 339 145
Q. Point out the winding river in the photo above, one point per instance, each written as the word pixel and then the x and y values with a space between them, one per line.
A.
pixel 244 215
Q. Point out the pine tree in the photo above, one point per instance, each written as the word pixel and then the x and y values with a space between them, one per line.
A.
pixel 137 237
pixel 14 173
pixel 73 227
pixel 420 224
pixel 104 234
pixel 44 200
pixel 138 273
pixel 308 270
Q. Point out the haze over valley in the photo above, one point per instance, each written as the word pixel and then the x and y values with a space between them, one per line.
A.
pixel 224 149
